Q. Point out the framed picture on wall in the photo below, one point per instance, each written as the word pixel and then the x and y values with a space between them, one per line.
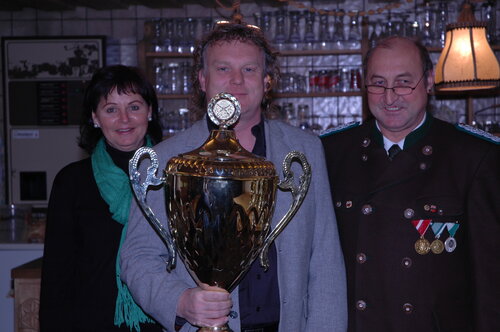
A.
pixel 52 58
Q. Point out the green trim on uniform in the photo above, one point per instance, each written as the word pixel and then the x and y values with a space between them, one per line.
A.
pixel 478 133
pixel 415 136
pixel 339 129
pixel 410 139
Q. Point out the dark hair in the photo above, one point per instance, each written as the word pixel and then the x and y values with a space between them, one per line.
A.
pixel 125 80
pixel 228 32
pixel 425 58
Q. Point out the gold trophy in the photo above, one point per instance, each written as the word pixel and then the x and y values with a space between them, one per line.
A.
pixel 220 200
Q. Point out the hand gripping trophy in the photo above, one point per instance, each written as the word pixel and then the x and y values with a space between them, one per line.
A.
pixel 219 200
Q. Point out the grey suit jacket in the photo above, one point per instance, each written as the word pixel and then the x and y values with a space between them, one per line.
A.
pixel 311 273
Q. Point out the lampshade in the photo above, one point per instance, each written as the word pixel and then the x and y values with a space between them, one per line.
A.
pixel 467 61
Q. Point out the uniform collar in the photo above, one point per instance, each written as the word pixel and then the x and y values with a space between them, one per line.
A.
pixel 420 131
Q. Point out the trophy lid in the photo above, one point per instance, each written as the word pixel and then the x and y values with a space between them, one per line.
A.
pixel 222 155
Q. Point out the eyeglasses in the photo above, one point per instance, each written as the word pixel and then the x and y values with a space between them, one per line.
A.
pixel 398 90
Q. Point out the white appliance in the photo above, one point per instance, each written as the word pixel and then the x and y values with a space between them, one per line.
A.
pixel 44 81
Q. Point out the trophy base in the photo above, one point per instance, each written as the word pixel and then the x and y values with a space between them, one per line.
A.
pixel 224 328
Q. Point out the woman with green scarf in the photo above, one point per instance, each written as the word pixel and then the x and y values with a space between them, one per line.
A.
pixel 88 210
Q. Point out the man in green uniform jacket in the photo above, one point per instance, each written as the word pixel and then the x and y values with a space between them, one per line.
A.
pixel 418 206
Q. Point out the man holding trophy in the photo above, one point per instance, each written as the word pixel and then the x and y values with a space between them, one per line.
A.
pixel 303 288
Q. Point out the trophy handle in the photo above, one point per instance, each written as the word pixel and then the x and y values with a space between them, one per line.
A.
pixel 298 195
pixel 140 190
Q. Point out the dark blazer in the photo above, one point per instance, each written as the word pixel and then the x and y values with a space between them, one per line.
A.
pixel 445 176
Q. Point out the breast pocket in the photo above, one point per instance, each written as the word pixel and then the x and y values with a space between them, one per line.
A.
pixel 440 207
pixel 445 216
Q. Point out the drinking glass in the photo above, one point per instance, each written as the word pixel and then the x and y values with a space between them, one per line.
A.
pixel 159 71
pixel 489 14
pixel 405 27
pixel 279 35
pixel 174 78
pixel 190 37
pixel 309 36
pixel 157 41
pixel 206 26
pixel 440 24
pixel 184 75
pixel 427 21
pixel 265 24
pixel 315 125
pixel 354 30
pixel 289 115
pixel 179 39
pixel 338 32
pixel 388 29
pixel 294 31
pixel 324 39
pixel 169 36
pixel 304 116
pixel 374 35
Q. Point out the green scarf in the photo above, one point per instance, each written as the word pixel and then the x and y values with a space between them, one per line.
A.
pixel 116 190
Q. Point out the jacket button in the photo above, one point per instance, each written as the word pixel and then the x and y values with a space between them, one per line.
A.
pixel 338 204
pixel 361 258
pixel 366 142
pixel 423 166
pixel 406 262
pixel 366 209
pixel 427 150
pixel 361 305
pixel 409 213
pixel 407 308
pixel 364 157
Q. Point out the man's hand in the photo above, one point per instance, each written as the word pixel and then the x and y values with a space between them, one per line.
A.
pixel 205 306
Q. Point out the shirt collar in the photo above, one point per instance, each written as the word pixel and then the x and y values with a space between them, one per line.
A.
pixel 410 139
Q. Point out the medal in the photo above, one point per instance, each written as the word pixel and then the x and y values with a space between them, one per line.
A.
pixel 437 246
pixel 451 244
pixel 422 246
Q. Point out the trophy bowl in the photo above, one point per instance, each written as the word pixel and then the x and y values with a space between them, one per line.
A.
pixel 220 201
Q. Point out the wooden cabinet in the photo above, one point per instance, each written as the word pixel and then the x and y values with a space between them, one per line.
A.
pixel 27 296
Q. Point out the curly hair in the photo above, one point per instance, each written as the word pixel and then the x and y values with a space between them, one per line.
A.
pixel 125 80
pixel 229 32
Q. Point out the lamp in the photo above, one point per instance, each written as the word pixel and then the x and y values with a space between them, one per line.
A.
pixel 467 61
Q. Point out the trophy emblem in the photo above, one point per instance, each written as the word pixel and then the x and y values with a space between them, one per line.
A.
pixel 220 201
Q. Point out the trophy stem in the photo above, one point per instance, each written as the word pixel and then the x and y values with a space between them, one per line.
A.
pixel 224 327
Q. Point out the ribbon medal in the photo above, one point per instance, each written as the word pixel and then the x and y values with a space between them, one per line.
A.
pixel 422 246
pixel 437 245
pixel 450 244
